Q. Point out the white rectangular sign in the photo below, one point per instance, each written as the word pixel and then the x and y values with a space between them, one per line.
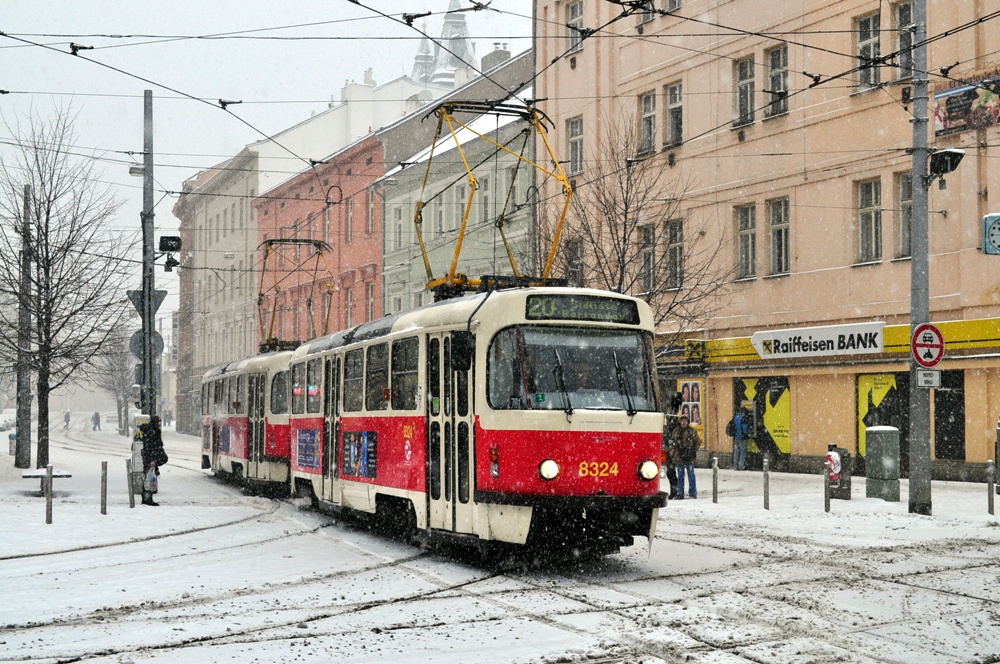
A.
pixel 928 378
pixel 856 339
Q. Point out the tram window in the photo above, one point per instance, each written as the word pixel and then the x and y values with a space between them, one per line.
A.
pixel 354 379
pixel 279 393
pixel 463 462
pixel 503 370
pixel 434 376
pixel 298 389
pixel 218 396
pixel 314 377
pixel 237 399
pixel 462 393
pixel 405 355
pixel 377 378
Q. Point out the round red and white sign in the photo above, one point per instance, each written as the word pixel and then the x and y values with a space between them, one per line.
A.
pixel 927 345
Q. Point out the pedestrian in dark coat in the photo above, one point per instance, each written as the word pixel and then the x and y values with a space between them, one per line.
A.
pixel 687 441
pixel 153 455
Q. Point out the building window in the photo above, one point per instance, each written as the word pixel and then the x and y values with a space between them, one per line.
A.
pixel 511 187
pixel 460 204
pixel 484 192
pixel 574 25
pixel 777 79
pixel 869 50
pixel 574 130
pixel 903 13
pixel 647 12
pixel 370 301
pixel 349 306
pixel 746 231
pixel 744 91
pixel 870 220
pixel 675 254
pixel 574 262
pixel 397 228
pixel 904 204
pixel 647 257
pixel 673 5
pixel 371 212
pixel 675 114
pixel 647 129
pixel 349 228
pixel 778 215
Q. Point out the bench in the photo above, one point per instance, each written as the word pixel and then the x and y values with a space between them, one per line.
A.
pixel 42 473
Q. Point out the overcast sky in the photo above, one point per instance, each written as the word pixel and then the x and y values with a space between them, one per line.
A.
pixel 284 60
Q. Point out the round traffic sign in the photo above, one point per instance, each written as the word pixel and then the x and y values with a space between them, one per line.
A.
pixel 927 345
pixel 135 344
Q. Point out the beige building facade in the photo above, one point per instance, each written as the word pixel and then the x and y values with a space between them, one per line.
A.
pixel 789 127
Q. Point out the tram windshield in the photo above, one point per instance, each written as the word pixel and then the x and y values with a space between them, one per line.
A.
pixel 569 368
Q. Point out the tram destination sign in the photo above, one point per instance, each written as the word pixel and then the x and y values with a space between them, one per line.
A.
pixel 582 307
pixel 856 339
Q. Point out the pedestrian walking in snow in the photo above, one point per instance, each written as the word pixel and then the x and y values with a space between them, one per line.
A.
pixel 95 421
pixel 153 456
pixel 687 441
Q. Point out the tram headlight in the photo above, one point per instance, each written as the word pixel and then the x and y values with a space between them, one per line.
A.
pixel 548 469
pixel 648 470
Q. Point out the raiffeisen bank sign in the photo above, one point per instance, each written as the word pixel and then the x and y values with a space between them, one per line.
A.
pixel 858 339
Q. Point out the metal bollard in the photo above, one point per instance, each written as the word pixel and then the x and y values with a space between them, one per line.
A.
pixel 826 486
pixel 128 478
pixel 990 479
pixel 48 493
pixel 767 487
pixel 715 479
pixel 104 487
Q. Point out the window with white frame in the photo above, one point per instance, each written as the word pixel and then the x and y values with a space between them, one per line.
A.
pixel 647 11
pixel 371 212
pixel 369 301
pixel 574 132
pixel 744 91
pixel 673 5
pixel 647 128
pixel 777 79
pixel 460 203
pixel 574 25
pixel 780 230
pixel 675 254
pixel 574 262
pixel 647 257
pixel 869 50
pixel 903 14
pixel 904 205
pixel 349 306
pixel 397 228
pixel 349 222
pixel 870 220
pixel 484 193
pixel 675 114
pixel 746 232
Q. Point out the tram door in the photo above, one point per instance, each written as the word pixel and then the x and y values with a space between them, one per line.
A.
pixel 449 438
pixel 331 426
pixel 255 426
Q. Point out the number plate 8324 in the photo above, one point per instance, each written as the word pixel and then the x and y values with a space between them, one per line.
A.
pixel 598 469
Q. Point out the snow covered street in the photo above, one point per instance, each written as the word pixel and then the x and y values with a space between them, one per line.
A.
pixel 213 575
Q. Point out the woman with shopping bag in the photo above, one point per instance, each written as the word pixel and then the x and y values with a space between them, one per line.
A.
pixel 153 456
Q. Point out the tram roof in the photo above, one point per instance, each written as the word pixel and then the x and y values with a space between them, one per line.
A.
pixel 446 313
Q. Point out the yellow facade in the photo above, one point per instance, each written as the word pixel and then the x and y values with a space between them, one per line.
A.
pixel 764 114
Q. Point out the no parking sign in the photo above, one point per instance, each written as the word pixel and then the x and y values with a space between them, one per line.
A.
pixel 927 345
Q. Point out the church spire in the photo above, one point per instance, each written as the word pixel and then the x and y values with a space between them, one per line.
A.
pixel 460 50
pixel 423 63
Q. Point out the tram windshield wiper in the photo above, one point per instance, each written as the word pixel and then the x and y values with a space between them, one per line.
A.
pixel 622 377
pixel 560 380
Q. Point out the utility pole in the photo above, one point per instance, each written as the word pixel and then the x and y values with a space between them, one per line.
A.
pixel 920 398
pixel 22 444
pixel 149 364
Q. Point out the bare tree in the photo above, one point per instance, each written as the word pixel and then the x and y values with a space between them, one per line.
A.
pixel 78 262
pixel 113 371
pixel 626 232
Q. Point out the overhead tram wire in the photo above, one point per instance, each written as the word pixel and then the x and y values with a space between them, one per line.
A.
pixel 223 106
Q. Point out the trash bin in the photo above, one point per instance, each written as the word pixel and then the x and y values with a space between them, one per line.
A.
pixel 840 472
pixel 12 440
pixel 882 463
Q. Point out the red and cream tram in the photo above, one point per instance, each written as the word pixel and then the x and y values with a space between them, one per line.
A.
pixel 244 432
pixel 526 416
